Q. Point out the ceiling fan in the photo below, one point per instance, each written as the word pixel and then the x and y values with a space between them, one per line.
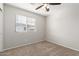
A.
pixel 45 5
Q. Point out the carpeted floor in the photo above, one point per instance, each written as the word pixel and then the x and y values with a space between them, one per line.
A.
pixel 43 48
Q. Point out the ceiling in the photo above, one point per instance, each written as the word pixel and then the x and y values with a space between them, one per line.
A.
pixel 31 7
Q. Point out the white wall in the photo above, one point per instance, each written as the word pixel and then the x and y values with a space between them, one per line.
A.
pixel 13 38
pixel 63 25
pixel 1 28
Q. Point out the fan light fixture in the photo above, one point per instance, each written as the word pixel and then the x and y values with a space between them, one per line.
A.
pixel 0 9
pixel 45 5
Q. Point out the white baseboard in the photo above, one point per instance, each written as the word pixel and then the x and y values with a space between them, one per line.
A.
pixel 62 45
pixel 37 42
pixel 21 45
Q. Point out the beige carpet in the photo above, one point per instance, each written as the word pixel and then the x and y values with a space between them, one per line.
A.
pixel 43 48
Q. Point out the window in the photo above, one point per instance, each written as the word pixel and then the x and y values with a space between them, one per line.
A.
pixel 31 24
pixel 24 24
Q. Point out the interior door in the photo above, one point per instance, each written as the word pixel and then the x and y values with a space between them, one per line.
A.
pixel 1 29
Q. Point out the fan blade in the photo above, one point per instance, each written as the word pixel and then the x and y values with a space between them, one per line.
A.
pixel 39 7
pixel 54 3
